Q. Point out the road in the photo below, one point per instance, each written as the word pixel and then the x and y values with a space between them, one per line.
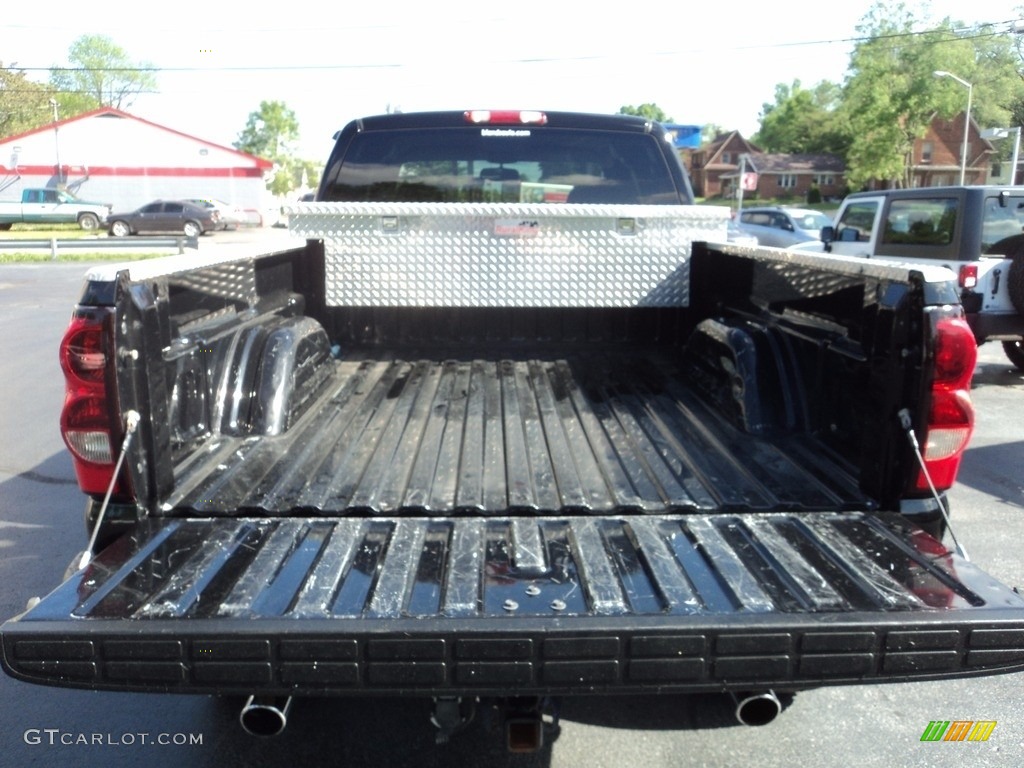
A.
pixel 41 530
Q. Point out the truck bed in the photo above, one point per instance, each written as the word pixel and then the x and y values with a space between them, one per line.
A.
pixel 697 494
pixel 600 433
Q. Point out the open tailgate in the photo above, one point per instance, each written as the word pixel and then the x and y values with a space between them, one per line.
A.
pixel 493 605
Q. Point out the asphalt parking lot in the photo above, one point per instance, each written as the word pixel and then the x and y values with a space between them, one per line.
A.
pixel 41 530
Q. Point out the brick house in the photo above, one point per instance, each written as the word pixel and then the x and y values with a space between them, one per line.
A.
pixel 935 159
pixel 715 167
pixel 710 163
pixel 782 175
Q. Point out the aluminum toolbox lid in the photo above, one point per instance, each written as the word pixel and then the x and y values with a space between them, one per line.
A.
pixel 507 254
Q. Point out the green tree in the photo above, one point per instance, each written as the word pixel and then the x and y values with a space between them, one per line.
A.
pixel 271 132
pixel 99 74
pixel 650 111
pixel 24 104
pixel 711 131
pixel 892 94
pixel 802 120
pixel 306 171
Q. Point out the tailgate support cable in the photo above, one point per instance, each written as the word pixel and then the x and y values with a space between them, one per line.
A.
pixel 131 422
pixel 905 422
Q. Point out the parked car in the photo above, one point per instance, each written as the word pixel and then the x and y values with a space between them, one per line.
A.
pixel 165 216
pixel 782 227
pixel 737 236
pixel 976 232
pixel 231 216
pixel 52 206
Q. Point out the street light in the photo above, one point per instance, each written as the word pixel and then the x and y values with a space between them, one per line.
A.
pixel 967 118
pixel 56 140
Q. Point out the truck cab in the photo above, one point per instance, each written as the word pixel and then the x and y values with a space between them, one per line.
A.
pixel 976 232
pixel 48 205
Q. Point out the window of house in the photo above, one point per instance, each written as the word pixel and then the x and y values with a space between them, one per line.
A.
pixel 787 180
pixel 824 179
pixel 926 152
pixel 727 157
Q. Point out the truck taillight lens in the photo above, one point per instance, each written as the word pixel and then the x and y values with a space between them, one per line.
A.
pixel 951 415
pixel 89 422
pixel 969 276
pixel 956 354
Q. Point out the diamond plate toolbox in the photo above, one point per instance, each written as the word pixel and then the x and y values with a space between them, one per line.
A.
pixel 507 255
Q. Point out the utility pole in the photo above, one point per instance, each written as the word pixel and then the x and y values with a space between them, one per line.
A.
pixel 739 184
pixel 56 143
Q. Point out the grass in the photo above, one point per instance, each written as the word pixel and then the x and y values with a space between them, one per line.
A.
pixel 41 257
pixel 23 231
pixel 47 231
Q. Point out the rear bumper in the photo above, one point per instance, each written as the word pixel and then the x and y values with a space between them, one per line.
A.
pixel 519 658
pixel 1007 326
pixel 472 606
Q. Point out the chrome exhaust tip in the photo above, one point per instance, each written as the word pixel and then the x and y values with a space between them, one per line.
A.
pixel 265 715
pixel 757 708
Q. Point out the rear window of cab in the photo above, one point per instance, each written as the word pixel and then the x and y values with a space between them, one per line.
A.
pixel 474 164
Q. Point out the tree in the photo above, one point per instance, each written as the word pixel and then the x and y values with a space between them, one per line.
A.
pixel 99 74
pixel 710 132
pixel 24 104
pixel 271 132
pixel 650 111
pixel 892 94
pixel 802 121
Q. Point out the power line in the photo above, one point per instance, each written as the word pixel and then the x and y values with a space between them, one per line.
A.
pixel 956 33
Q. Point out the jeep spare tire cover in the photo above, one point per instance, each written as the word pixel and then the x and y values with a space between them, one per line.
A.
pixel 1013 247
pixel 1015 282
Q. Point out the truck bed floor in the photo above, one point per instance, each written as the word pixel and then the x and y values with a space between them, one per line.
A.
pixel 601 433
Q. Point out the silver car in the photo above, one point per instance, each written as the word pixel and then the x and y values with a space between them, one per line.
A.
pixel 783 227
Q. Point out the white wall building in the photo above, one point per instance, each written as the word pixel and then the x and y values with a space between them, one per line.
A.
pixel 110 156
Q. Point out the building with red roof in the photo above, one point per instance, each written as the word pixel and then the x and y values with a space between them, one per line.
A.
pixel 111 156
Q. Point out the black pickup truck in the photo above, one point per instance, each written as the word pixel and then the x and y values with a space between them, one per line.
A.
pixel 511 426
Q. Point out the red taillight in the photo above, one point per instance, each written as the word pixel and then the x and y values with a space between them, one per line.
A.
pixel 505 117
pixel 956 354
pixel 89 421
pixel 951 415
pixel 82 353
pixel 969 276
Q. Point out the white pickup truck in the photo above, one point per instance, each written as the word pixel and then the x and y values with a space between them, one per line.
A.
pixel 977 232
pixel 52 206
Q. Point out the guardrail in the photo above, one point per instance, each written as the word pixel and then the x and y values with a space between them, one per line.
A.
pixel 56 245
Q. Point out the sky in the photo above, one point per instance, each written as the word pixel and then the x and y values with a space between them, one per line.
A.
pixel 708 63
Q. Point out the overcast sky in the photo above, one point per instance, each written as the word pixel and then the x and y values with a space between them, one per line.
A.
pixel 699 65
